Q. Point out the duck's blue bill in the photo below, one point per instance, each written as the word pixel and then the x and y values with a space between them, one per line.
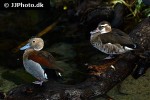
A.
pixel 25 47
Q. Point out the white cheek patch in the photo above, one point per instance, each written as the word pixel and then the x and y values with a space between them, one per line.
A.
pixel 37 49
pixel 103 31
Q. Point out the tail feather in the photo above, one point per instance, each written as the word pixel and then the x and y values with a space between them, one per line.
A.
pixel 127 48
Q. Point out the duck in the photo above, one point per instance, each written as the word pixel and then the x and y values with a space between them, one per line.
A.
pixel 35 60
pixel 110 41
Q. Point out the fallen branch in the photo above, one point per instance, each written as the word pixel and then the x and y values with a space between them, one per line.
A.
pixel 103 77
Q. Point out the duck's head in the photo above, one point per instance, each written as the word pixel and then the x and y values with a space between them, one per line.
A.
pixel 103 27
pixel 34 43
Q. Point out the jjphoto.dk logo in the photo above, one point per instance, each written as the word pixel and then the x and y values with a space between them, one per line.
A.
pixel 6 5
pixel 30 5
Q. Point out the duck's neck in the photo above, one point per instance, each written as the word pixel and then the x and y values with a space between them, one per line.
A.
pixel 27 53
pixel 96 41
pixel 95 38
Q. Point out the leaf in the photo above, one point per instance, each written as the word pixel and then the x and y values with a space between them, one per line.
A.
pixel 120 1
pixel 139 1
pixel 147 12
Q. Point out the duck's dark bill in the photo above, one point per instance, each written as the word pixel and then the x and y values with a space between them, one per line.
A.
pixel 95 31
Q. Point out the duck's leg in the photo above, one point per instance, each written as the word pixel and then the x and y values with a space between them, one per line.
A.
pixel 38 82
pixel 110 56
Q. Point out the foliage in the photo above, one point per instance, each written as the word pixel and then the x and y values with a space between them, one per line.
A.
pixel 136 7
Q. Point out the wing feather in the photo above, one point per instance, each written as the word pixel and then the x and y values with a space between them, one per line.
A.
pixel 45 59
pixel 117 37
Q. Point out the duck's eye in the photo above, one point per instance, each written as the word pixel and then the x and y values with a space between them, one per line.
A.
pixel 33 41
pixel 101 27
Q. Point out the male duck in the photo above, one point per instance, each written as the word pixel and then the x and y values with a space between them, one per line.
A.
pixel 109 40
pixel 34 59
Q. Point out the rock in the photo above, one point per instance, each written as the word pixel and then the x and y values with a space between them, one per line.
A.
pixel 5 85
pixel 135 89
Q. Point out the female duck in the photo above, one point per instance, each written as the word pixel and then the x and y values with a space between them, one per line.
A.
pixel 34 59
pixel 110 41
